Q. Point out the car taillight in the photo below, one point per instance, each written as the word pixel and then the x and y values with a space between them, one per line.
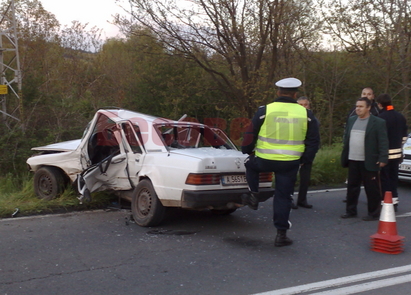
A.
pixel 201 179
pixel 266 177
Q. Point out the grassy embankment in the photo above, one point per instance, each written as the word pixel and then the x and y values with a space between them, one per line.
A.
pixel 18 192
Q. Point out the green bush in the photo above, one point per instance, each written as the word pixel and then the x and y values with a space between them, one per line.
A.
pixel 327 168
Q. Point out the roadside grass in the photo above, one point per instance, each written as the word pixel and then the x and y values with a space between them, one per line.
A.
pixel 327 170
pixel 17 197
pixel 17 193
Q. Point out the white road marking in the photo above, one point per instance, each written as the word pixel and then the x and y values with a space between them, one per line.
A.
pixel 404 215
pixel 408 214
pixel 367 286
pixel 334 283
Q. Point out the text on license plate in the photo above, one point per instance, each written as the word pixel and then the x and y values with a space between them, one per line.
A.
pixel 234 179
pixel 405 167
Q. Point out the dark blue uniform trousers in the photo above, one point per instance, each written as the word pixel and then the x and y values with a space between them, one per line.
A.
pixel 389 177
pixel 285 177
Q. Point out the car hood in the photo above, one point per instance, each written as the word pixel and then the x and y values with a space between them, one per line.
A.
pixel 65 146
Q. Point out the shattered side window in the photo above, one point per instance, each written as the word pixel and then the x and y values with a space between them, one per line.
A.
pixel 180 136
pixel 131 138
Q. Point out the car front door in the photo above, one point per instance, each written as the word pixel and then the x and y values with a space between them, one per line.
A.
pixel 108 160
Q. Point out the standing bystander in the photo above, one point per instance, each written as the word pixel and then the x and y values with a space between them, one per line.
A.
pixel 397 135
pixel 365 152
pixel 368 93
pixel 305 168
pixel 282 135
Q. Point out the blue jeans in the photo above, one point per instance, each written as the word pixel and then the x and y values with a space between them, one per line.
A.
pixel 285 177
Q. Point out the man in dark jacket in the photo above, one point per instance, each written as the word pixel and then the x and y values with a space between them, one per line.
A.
pixel 368 93
pixel 305 168
pixel 397 135
pixel 365 152
pixel 282 135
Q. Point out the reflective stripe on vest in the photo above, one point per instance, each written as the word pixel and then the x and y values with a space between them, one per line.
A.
pixel 283 132
pixel 394 154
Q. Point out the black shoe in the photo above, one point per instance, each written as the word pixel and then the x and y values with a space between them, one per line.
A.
pixel 293 206
pixel 346 215
pixel 281 239
pixel 370 218
pixel 250 200
pixel 305 205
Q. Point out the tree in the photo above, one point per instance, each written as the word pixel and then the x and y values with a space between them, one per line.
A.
pixel 243 44
pixel 379 31
pixel 56 81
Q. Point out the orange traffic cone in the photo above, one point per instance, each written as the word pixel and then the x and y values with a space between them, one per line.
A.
pixel 386 240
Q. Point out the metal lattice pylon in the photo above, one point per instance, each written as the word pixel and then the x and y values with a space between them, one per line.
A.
pixel 10 73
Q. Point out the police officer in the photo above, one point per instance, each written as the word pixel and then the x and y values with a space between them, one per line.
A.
pixel 282 136
pixel 397 135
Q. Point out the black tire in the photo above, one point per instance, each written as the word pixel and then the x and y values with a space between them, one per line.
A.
pixel 146 207
pixel 49 183
pixel 223 211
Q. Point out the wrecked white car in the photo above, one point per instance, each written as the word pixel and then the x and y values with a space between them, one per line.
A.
pixel 153 162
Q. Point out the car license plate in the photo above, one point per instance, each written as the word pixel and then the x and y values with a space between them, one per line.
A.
pixel 233 179
pixel 405 167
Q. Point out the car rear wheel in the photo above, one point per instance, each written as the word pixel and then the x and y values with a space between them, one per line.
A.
pixel 48 183
pixel 145 205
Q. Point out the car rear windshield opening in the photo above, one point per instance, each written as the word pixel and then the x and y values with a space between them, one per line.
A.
pixel 178 136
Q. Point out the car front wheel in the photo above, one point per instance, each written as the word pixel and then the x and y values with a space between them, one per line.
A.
pixel 145 205
pixel 48 183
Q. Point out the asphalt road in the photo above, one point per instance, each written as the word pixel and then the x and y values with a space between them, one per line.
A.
pixel 103 252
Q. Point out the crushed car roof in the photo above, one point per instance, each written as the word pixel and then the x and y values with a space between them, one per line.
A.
pixel 122 114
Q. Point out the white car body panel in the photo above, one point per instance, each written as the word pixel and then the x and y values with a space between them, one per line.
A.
pixel 170 164
pixel 67 161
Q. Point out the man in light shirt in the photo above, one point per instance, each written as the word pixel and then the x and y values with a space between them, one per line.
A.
pixel 365 152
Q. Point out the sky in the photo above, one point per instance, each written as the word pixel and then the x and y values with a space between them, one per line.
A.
pixel 94 12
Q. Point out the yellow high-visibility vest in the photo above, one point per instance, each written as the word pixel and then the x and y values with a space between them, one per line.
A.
pixel 283 132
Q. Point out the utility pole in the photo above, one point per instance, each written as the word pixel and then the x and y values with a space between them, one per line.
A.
pixel 10 72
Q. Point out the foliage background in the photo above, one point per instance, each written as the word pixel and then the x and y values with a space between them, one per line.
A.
pixel 225 72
